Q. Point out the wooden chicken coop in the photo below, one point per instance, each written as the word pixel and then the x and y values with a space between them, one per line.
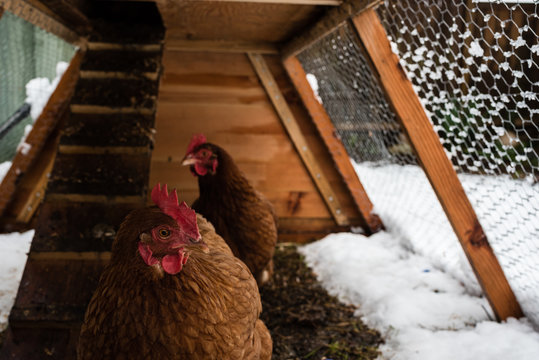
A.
pixel 146 76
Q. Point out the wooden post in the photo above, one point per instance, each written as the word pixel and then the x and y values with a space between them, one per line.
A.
pixel 41 130
pixel 331 20
pixel 321 119
pixel 292 127
pixel 437 166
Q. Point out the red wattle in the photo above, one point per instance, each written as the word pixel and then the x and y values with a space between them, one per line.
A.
pixel 200 169
pixel 173 264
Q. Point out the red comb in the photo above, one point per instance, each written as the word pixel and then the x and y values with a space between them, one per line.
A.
pixel 183 214
pixel 196 140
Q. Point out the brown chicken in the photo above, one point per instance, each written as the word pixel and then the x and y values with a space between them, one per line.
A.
pixel 171 293
pixel 240 214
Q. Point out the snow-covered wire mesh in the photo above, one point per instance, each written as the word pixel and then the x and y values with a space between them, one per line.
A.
pixel 26 53
pixel 475 67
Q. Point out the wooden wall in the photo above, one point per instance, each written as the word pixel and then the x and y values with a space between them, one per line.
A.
pixel 219 94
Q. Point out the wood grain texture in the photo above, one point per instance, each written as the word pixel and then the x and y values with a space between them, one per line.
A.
pixel 31 188
pixel 437 166
pixel 43 126
pixel 41 17
pixel 372 222
pixel 219 94
pixel 289 122
pixel 235 21
pixel 331 20
pixel 221 46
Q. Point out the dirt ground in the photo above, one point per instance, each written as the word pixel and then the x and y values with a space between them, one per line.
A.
pixel 305 321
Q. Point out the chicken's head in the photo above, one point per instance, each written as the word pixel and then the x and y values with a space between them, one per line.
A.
pixel 167 244
pixel 201 156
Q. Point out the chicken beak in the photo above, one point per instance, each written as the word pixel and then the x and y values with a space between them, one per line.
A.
pixel 189 160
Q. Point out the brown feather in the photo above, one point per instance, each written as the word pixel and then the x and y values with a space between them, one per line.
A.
pixel 209 310
pixel 240 214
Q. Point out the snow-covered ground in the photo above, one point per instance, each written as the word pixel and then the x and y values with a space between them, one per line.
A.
pixel 413 283
pixel 13 250
pixel 14 247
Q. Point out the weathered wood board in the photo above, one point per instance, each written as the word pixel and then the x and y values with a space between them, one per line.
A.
pixel 219 94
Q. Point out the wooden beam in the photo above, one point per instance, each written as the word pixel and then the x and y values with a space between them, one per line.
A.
pixel 437 166
pixel 172 44
pixel 371 222
pixel 31 189
pixel 43 126
pixel 331 20
pixel 283 2
pixel 39 17
pixel 292 127
pixel 68 14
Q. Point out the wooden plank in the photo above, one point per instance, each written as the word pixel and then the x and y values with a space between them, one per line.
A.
pixel 235 21
pixel 31 189
pixel 78 227
pixel 100 174
pixel 98 46
pixel 173 44
pixel 103 150
pixel 68 14
pixel 39 18
pixel 41 130
pixel 331 20
pixel 90 198
pixel 372 222
pixel 437 166
pixel 98 109
pixel 290 123
pixel 93 74
pixel 283 2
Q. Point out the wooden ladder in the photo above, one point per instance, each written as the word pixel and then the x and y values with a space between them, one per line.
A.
pixel 100 174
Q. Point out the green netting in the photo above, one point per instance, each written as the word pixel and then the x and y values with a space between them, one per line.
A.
pixel 26 52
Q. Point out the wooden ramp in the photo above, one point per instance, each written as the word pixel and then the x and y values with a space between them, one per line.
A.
pixel 100 174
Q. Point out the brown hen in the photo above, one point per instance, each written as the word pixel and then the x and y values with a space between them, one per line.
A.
pixel 170 293
pixel 240 214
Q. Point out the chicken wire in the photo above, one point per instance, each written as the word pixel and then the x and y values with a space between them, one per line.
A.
pixel 26 52
pixel 475 67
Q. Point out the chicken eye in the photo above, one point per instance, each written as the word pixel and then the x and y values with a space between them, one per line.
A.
pixel 204 153
pixel 164 233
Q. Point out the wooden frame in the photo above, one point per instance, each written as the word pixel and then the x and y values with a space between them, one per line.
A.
pixel 43 127
pixel 333 18
pixel 220 46
pixel 372 222
pixel 437 166
pixel 289 122
pixel 39 17
pixel 284 2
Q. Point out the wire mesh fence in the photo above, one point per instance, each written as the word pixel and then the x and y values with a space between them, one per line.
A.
pixel 26 52
pixel 475 67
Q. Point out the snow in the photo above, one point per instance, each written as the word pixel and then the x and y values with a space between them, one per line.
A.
pixel 4 168
pixel 412 281
pixel 13 250
pixel 39 90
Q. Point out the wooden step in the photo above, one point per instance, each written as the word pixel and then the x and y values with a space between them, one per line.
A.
pixel 35 343
pixel 54 293
pixel 108 130
pixel 116 92
pixel 109 174
pixel 126 60
pixel 79 226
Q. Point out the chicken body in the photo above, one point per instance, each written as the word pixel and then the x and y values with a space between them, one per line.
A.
pixel 240 214
pixel 209 310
